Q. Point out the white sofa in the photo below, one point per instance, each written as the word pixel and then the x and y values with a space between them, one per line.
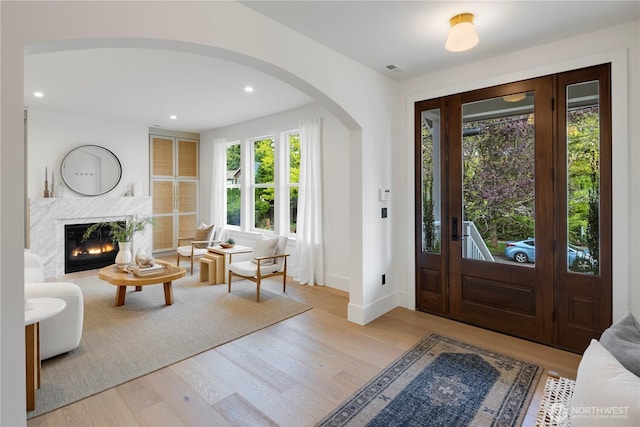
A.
pixel 606 392
pixel 62 332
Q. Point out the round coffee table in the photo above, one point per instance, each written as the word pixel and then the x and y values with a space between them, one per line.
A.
pixel 112 274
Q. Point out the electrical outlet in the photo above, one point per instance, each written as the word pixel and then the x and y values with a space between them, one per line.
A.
pixel 384 212
pixel 384 279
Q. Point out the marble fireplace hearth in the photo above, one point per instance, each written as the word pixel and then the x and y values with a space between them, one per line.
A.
pixel 48 217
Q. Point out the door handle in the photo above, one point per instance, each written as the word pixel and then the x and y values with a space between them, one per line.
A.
pixel 454 228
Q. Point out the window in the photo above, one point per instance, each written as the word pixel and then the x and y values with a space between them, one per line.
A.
pixel 294 173
pixel 267 200
pixel 263 190
pixel 233 184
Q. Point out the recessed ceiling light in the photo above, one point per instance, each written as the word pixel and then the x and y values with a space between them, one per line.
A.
pixel 38 94
pixel 248 89
pixel 173 117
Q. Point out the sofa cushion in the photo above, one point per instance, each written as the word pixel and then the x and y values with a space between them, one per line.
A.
pixel 622 339
pixel 265 246
pixel 605 393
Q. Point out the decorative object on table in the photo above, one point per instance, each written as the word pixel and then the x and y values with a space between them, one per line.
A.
pixel 146 271
pixel 229 243
pixel 443 382
pixel 144 259
pixel 124 256
pixel 46 183
pixel 122 234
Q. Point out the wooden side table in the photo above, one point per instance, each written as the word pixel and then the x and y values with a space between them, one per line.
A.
pixel 212 268
pixel 36 310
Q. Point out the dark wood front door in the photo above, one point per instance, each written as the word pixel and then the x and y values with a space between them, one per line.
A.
pixel 511 232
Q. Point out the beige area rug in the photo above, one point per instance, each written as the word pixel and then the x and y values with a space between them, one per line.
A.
pixel 122 343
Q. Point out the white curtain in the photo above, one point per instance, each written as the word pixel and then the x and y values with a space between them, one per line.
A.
pixel 309 244
pixel 218 213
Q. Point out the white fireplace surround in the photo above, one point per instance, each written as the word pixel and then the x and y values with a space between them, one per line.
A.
pixel 48 217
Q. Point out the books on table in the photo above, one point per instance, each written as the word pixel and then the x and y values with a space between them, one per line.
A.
pixel 145 271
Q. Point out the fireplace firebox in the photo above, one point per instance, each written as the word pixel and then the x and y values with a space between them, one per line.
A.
pixel 95 252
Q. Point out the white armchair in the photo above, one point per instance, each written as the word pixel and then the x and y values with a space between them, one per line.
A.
pixel 197 246
pixel 62 332
pixel 269 259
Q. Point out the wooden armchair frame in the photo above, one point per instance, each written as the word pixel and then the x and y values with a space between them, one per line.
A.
pixel 193 248
pixel 257 278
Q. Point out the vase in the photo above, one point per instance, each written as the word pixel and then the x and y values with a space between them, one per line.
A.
pixel 124 257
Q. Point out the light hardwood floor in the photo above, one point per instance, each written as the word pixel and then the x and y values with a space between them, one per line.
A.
pixel 290 374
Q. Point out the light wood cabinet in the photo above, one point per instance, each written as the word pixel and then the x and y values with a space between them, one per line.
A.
pixel 174 188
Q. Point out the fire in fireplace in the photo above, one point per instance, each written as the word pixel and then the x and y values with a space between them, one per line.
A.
pixel 95 252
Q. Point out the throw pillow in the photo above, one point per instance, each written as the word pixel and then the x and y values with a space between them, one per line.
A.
pixel 605 394
pixel 265 246
pixel 622 339
pixel 202 234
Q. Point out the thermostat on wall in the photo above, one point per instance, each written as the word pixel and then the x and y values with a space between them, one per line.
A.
pixel 384 194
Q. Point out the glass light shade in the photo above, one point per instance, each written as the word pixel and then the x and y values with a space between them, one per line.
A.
pixel 462 36
pixel 516 97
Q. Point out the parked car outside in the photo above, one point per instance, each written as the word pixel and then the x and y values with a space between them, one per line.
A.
pixel 524 251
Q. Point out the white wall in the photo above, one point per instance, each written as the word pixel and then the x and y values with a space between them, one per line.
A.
pixel 335 179
pixel 52 135
pixel 618 45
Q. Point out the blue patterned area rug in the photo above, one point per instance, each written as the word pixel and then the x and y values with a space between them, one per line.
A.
pixel 443 382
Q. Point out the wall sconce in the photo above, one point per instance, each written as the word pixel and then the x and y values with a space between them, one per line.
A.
pixel 462 35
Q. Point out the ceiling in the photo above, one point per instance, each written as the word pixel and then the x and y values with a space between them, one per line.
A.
pixel 146 86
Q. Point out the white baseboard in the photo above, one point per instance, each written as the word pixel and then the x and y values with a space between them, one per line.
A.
pixel 365 314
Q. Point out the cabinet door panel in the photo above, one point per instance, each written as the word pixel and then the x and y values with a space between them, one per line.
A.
pixel 187 196
pixel 163 237
pixel 187 225
pixel 162 156
pixel 187 159
pixel 162 192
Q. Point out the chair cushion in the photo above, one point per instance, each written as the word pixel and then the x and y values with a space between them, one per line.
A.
pixel 33 275
pixel 281 249
pixel 249 269
pixel 186 251
pixel 203 233
pixel 265 246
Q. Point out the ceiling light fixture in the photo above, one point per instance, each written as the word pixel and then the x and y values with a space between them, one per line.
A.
pixel 173 117
pixel 516 97
pixel 248 89
pixel 462 35
pixel 38 94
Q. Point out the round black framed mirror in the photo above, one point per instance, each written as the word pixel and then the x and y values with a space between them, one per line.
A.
pixel 91 170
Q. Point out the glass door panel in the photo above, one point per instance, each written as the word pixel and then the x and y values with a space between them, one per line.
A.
pixel 498 182
pixel 431 199
pixel 583 177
